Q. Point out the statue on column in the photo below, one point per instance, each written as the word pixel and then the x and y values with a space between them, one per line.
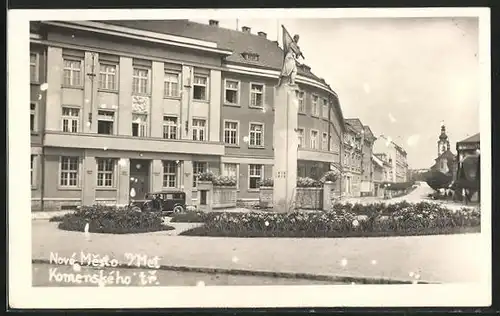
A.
pixel 292 53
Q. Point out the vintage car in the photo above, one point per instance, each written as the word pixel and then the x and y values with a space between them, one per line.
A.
pixel 169 201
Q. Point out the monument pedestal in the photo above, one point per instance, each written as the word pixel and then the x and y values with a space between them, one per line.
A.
pixel 285 147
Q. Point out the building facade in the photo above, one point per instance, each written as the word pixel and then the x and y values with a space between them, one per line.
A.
pixel 395 155
pixel 146 105
pixel 362 139
pixel 381 174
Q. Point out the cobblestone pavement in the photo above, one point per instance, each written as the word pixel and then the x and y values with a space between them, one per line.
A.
pixel 447 258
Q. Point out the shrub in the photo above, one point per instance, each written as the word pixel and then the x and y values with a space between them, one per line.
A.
pixel 205 176
pixel 438 180
pixel 308 183
pixel 269 182
pixel 112 220
pixel 331 176
pixel 343 221
pixel 224 181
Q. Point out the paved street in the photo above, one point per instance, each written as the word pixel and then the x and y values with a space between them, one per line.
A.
pixel 52 275
pixel 448 258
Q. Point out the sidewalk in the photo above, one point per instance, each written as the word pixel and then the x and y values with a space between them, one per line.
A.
pixel 451 258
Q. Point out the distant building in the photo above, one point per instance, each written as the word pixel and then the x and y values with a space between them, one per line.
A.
pixel 381 173
pixel 446 160
pixel 394 155
pixel 363 136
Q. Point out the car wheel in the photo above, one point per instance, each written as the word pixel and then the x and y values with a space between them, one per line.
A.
pixel 178 209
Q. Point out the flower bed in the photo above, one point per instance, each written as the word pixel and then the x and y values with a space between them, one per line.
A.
pixel 402 219
pixel 111 220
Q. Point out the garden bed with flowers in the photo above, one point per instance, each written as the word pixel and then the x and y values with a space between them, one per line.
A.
pixel 111 220
pixel 342 221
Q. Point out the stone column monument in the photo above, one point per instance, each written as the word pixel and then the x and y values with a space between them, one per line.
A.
pixel 285 128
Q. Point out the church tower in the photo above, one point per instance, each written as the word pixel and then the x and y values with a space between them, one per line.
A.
pixel 443 142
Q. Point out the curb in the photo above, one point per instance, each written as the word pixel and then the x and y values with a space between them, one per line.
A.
pixel 284 275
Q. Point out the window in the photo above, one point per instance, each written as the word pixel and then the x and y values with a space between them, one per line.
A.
pixel 70 120
pixel 300 135
pixel 107 76
pixel 231 93
pixel 32 170
pixel 170 127
pixel 33 117
pixel 231 132
pixel 105 172
pixel 105 122
pixel 315 106
pixel 169 174
pixel 314 139
pixel 199 129
pixel 171 84
pixel 140 80
pixel 231 170
pixel 139 125
pixel 324 142
pixel 69 171
pixel 255 176
pixel 256 135
pixel 34 67
pixel 198 167
pixel 72 72
pixel 256 95
pixel 300 99
pixel 200 86
pixel 325 108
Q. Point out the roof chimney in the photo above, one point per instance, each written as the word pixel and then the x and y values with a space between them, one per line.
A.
pixel 262 34
pixel 277 43
pixel 213 22
pixel 245 29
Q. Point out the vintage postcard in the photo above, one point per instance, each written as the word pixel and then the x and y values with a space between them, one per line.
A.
pixel 249 158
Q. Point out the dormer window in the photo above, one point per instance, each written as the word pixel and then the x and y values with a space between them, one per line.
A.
pixel 250 56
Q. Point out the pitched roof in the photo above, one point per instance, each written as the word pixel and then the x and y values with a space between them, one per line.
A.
pixel 472 139
pixel 355 123
pixel 270 54
pixel 446 154
pixel 368 133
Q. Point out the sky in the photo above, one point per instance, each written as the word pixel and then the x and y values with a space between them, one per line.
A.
pixel 400 76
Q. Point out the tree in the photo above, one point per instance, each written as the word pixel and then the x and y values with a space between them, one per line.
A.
pixel 438 180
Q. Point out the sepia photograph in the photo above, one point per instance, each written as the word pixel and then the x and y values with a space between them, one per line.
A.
pixel 249 158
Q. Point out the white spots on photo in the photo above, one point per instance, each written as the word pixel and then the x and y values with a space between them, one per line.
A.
pixel 77 267
pixel 392 118
pixel 87 100
pixel 122 162
pixel 105 148
pixel 366 88
pixel 39 97
pixel 411 274
pixel 114 106
pixel 88 124
pixel 44 86
pixel 200 283
pixel 413 140
pixel 343 262
pixel 235 259
pixel 245 139
pixel 417 276
pixel 355 223
pixel 374 262
pixel 104 105
pixel 266 223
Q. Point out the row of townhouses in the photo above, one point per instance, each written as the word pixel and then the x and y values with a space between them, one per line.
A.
pixel 147 105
